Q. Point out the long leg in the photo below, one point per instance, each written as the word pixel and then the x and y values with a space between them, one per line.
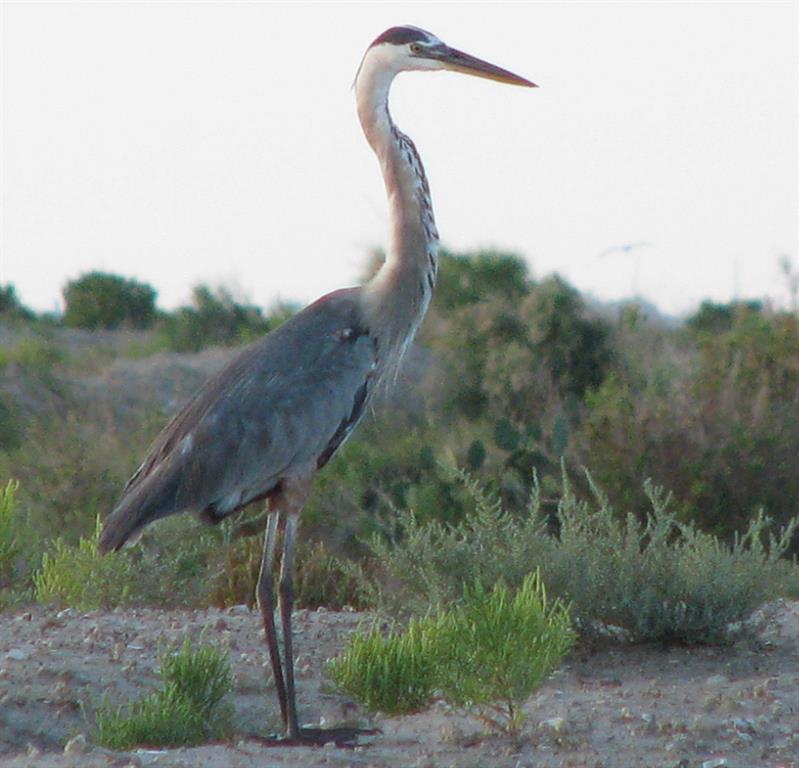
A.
pixel 266 604
pixel 286 604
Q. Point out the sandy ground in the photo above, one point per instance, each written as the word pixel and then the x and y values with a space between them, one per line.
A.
pixel 609 707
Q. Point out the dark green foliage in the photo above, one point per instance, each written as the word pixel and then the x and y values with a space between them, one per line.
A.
pixel 718 318
pixel 185 712
pixel 215 317
pixel 11 431
pixel 101 300
pixel 508 376
pixel 471 278
pixel 721 429
pixel 10 305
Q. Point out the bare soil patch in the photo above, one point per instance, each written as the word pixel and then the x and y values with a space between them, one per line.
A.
pixel 609 707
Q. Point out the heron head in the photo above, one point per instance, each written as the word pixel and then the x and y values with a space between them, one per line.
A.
pixel 410 48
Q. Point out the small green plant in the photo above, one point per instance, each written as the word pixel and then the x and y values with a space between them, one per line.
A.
pixel 80 577
pixel 496 648
pixel 186 711
pixel 9 544
pixel 488 653
pixel 392 673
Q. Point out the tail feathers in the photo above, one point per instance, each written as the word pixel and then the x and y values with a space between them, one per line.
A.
pixel 141 505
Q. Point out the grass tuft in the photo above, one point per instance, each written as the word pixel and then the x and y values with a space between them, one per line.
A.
pixel 185 712
pixel 392 673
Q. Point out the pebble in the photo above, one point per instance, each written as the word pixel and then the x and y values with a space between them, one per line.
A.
pixel 716 762
pixel 717 680
pixel 557 724
pixel 743 724
pixel 76 745
pixel 16 654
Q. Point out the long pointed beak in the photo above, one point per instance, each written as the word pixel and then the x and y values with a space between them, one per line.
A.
pixel 458 61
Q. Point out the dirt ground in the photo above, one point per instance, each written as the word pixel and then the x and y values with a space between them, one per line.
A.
pixel 614 707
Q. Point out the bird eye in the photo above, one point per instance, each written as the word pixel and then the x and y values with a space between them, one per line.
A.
pixel 415 48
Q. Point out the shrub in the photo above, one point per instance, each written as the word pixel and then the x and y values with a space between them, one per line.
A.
pixel 321 578
pixel 660 579
pixel 216 317
pixel 488 652
pixel 716 420
pixel 392 673
pixel 497 648
pixel 186 711
pixel 80 577
pixel 424 564
pixel 102 300
pixel 655 580
pixel 11 306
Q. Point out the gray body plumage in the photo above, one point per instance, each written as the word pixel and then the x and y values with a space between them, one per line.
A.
pixel 282 407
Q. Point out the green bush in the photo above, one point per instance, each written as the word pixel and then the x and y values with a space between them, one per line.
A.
pixel 215 317
pixel 80 577
pixel 324 579
pixel 423 564
pixel 488 652
pixel 186 711
pixel 11 306
pixel 102 300
pixel 392 673
pixel 714 418
pixel 497 647
pixel 655 580
pixel 661 579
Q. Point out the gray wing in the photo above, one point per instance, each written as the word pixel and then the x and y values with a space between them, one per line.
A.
pixel 281 408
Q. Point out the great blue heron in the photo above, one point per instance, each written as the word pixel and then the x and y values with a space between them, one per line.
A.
pixel 263 426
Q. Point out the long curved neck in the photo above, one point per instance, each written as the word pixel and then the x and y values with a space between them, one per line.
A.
pixel 397 297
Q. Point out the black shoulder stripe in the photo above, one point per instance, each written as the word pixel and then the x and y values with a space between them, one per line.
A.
pixel 345 427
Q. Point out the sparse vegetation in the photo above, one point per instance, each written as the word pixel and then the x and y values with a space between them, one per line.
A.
pixel 187 710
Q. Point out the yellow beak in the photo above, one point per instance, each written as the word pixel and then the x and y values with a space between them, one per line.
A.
pixel 458 61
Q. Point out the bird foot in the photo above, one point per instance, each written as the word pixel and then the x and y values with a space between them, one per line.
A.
pixel 317 737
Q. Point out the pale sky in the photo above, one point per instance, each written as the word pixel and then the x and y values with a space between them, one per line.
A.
pixel 192 142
